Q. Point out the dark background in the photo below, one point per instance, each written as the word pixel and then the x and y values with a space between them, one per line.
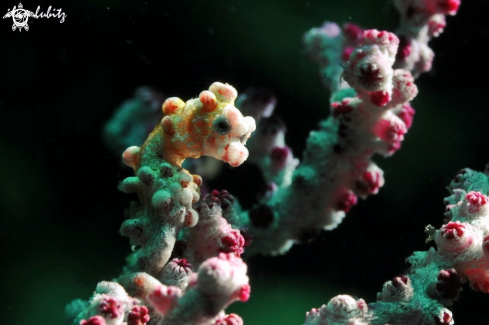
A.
pixel 60 210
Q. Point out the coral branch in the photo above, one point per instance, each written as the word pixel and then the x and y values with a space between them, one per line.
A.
pixel 337 166
pixel 218 282
pixel 433 279
pixel 208 125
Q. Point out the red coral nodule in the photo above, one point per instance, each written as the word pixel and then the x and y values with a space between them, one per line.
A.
pixel 380 98
pixel 452 229
pixel 391 131
pixel 373 36
pixel 404 49
pixel 233 243
pixel 435 27
pixel 244 293
pixel 353 32
pixel 486 243
pixel 247 236
pixel 449 284
pixel 138 316
pixel 448 6
pixel 182 265
pixel 341 109
pixel 347 51
pixel 406 114
pixel 346 201
pixel 110 306
pixel 222 198
pixel 476 201
pixel 231 319
pixel 279 155
pixel 370 182
pixel 446 319
pixel 400 281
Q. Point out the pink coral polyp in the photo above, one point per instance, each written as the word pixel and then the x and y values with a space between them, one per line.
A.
pixel 452 230
pixel 110 307
pixel 476 201
pixel 138 316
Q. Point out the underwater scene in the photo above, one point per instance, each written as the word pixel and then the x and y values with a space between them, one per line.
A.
pixel 244 161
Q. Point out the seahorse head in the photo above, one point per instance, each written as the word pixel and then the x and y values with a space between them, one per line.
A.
pixel 209 125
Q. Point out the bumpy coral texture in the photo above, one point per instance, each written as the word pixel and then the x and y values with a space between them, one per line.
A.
pixel 111 305
pixel 193 282
pixel 218 282
pixel 433 279
pixel 364 60
pixel 370 114
pixel 337 166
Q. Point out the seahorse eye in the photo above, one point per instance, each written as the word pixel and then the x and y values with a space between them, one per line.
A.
pixel 222 126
